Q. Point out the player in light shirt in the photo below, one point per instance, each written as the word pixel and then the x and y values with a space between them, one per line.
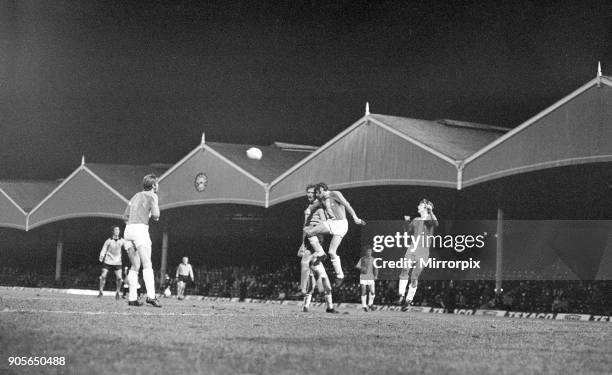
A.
pixel 142 206
pixel 184 273
pixel 110 257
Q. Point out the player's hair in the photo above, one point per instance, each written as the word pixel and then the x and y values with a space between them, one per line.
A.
pixel 112 229
pixel 148 181
pixel 322 185
pixel 427 203
pixel 311 186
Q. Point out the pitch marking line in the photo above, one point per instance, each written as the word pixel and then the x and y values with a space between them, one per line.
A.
pixel 140 313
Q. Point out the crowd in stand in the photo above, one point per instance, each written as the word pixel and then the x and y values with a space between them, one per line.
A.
pixel 593 297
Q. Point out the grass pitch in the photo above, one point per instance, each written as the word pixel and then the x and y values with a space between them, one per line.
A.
pixel 104 336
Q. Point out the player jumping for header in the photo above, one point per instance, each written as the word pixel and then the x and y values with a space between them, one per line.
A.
pixel 312 217
pixel 318 275
pixel 337 225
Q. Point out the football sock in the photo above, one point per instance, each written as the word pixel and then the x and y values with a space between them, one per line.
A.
pixel 133 284
pixel 304 276
pixel 307 300
pixel 371 301
pixel 364 297
pixel 337 267
pixel 149 280
pixel 411 292
pixel 328 300
pixel 402 287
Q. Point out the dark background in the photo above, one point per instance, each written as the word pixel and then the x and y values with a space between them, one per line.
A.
pixel 138 82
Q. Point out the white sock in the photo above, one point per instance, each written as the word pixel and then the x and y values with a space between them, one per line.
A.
pixel 307 300
pixel 411 293
pixel 132 278
pixel 364 297
pixel 328 299
pixel 337 267
pixel 304 276
pixel 371 301
pixel 402 287
pixel 149 280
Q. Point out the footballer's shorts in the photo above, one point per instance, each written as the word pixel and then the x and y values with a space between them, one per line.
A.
pixel 337 227
pixel 366 282
pixel 184 278
pixel 137 234
pixel 319 272
pixel 111 267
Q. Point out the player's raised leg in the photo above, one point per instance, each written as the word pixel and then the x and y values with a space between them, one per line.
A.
pixel 335 258
pixel 312 234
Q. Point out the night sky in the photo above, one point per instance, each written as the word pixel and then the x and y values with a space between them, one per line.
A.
pixel 139 82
